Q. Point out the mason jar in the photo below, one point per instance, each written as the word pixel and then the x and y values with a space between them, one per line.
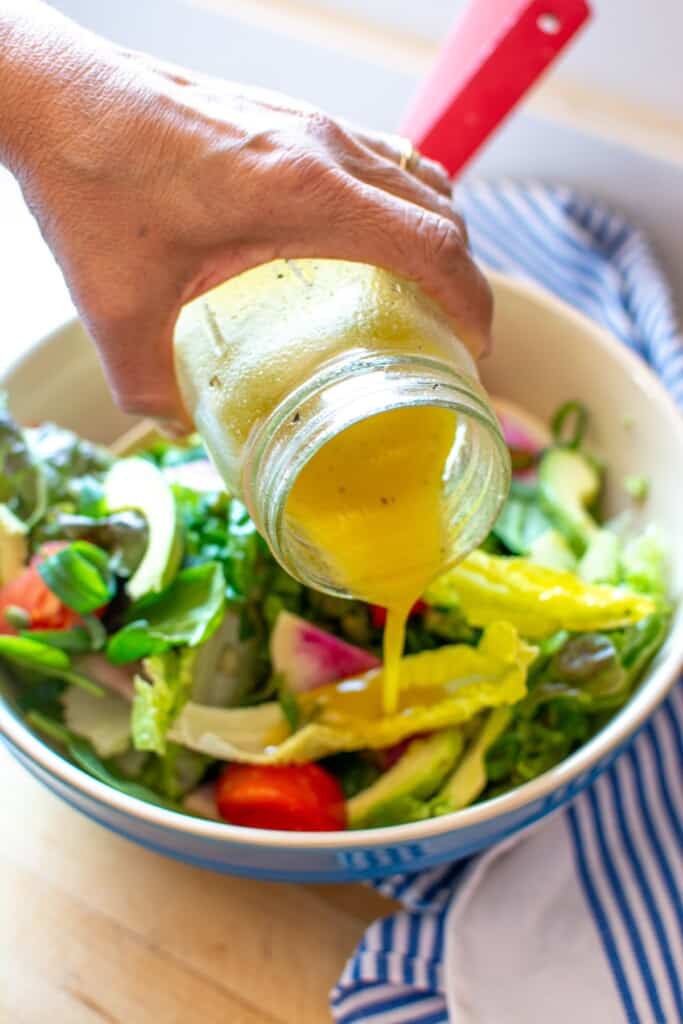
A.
pixel 275 363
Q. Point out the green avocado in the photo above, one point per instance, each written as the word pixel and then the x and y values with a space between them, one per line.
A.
pixel 401 793
pixel 569 483
pixel 135 483
pixel 469 778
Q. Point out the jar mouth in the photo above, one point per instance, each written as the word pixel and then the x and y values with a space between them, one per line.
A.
pixel 343 392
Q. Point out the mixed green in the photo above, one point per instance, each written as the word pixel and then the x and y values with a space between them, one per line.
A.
pixel 148 633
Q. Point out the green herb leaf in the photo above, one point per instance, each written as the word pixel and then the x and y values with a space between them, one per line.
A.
pixel 44 660
pixel 186 613
pixel 80 576
pixel 76 640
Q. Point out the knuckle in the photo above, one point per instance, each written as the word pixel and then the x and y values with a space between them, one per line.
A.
pixel 443 240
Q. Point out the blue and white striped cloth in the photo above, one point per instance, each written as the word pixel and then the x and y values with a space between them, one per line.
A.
pixel 581 919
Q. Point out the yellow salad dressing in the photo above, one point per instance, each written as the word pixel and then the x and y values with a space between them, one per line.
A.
pixel 371 498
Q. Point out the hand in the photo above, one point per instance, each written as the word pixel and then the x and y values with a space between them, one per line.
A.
pixel 161 184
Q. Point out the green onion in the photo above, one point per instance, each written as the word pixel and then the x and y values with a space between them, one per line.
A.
pixel 569 424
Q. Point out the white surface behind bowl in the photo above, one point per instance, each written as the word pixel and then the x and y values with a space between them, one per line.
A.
pixel 545 354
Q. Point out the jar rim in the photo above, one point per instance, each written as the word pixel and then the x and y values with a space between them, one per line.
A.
pixel 344 391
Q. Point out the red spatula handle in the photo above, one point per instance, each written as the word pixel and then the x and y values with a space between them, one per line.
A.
pixel 494 54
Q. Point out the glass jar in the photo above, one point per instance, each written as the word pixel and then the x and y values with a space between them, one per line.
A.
pixel 277 362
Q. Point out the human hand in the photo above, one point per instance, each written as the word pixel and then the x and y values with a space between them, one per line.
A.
pixel 152 185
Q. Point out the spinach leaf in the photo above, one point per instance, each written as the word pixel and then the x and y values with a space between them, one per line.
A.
pixel 186 613
pixel 22 479
pixel 80 576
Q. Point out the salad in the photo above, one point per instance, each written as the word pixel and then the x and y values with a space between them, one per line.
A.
pixel 147 632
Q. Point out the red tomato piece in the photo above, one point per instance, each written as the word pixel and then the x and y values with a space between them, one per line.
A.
pixel 295 798
pixel 32 595
pixel 29 592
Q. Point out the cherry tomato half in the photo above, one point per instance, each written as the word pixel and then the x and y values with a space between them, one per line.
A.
pixel 296 797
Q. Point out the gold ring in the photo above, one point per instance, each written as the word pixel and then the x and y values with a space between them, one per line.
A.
pixel 408 156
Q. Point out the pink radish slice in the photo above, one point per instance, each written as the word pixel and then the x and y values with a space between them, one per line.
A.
pixel 522 432
pixel 199 475
pixel 307 656
pixel 116 678
pixel 521 429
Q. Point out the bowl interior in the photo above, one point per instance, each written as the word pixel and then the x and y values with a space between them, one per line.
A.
pixel 544 354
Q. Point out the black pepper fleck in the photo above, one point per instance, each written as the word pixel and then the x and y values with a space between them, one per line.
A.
pixel 215 382
pixel 296 417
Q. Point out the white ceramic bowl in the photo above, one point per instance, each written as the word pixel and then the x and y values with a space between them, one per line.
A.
pixel 545 353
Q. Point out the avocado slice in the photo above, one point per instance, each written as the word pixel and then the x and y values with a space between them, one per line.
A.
pixel 401 793
pixel 569 483
pixel 135 483
pixel 13 545
pixel 469 778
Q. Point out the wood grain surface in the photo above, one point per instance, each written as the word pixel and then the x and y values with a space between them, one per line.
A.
pixel 96 930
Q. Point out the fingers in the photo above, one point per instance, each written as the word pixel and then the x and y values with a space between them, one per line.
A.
pixel 384 174
pixel 427 171
pixel 137 355
pixel 369 225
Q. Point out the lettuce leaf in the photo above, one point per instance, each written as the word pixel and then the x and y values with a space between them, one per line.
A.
pixel 535 600
pixel 105 721
pixel 643 563
pixel 157 702
pixel 437 689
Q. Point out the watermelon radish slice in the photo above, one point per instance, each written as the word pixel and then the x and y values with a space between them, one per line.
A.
pixel 520 428
pixel 523 433
pixel 308 656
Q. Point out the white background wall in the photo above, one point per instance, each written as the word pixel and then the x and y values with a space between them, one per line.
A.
pixel 633 47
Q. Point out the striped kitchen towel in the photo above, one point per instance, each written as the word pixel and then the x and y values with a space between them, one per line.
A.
pixel 581 919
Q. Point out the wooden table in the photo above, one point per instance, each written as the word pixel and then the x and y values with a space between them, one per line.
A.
pixel 96 930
